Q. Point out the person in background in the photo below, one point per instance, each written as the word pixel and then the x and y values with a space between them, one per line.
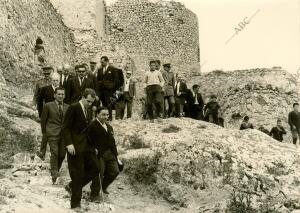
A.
pixel 119 95
pixel 46 95
pixel 180 92
pixel 211 110
pixel 294 122
pixel 129 93
pixel 278 131
pixel 195 103
pixel 154 83
pixel 51 124
pixel 45 81
pixel 169 100
pixel 246 124
pixel 59 70
pixel 66 75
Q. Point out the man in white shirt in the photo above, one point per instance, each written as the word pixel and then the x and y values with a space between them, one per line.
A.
pixel 154 83
pixel 129 92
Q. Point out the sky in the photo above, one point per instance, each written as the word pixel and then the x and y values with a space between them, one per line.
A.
pixel 245 34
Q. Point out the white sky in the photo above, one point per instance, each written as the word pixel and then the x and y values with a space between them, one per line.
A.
pixel 272 37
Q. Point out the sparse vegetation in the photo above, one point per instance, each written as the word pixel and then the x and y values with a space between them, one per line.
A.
pixel 171 129
pixel 134 141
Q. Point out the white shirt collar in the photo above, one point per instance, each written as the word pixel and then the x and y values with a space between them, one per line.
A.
pixel 102 124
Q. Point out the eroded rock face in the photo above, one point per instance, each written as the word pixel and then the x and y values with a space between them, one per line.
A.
pixel 194 163
pixel 31 30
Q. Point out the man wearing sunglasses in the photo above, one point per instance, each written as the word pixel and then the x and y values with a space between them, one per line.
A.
pixel 77 85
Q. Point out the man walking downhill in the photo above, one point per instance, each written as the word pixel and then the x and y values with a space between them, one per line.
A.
pixel 154 83
pixel 294 122
pixel 82 160
pixel 51 123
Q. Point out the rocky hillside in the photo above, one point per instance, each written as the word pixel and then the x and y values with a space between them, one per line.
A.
pixel 31 32
pixel 263 94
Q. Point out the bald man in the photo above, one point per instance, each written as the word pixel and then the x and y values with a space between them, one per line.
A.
pixel 46 95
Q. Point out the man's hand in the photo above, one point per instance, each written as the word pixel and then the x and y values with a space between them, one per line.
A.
pixel 293 127
pixel 94 108
pixel 96 150
pixel 96 98
pixel 71 149
pixel 119 162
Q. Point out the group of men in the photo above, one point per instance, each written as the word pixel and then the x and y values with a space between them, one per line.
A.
pixel 167 95
pixel 74 110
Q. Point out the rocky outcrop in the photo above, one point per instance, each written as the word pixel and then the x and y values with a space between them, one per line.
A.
pixel 201 166
pixel 32 33
pixel 263 94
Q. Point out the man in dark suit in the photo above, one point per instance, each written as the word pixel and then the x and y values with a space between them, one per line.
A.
pixel 180 95
pixel 120 99
pixel 46 95
pixel 129 92
pixel 82 160
pixel 195 103
pixel 51 123
pixel 66 76
pixel 101 135
pixel 77 85
pixel 108 81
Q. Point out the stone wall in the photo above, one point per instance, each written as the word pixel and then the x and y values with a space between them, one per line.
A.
pixel 22 22
pixel 263 94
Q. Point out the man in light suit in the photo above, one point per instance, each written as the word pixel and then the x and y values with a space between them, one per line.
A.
pixel 51 123
pixel 77 85
pixel 82 160
pixel 108 82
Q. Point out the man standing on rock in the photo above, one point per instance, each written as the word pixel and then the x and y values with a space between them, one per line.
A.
pixel 101 135
pixel 154 83
pixel 169 77
pixel 294 122
pixel 180 92
pixel 195 103
pixel 45 81
pixel 82 160
pixel 51 123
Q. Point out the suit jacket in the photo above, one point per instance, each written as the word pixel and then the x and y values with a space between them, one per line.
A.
pixel 131 89
pixel 191 99
pixel 182 89
pixel 51 120
pixel 74 90
pixel 108 80
pixel 101 139
pixel 63 82
pixel 74 128
pixel 120 78
pixel 45 95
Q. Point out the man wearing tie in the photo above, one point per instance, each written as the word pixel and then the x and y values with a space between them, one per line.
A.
pixel 51 124
pixel 82 160
pixel 195 103
pixel 180 96
pixel 77 85
pixel 108 82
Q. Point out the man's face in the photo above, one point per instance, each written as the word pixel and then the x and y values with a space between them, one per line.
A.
pixel 157 66
pixel 55 82
pixel 81 72
pixel 59 95
pixel 153 66
pixel 104 63
pixel 279 123
pixel 46 75
pixel 66 71
pixel 88 101
pixel 196 90
pixel 128 75
pixel 60 70
pixel 213 99
pixel 167 68
pixel 103 115
pixel 296 108
pixel 93 66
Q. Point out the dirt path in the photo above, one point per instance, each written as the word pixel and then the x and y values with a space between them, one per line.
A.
pixel 32 191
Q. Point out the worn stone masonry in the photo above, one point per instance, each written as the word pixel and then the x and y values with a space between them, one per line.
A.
pixel 22 23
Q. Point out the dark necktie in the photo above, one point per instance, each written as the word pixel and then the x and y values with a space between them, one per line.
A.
pixel 65 79
pixel 60 110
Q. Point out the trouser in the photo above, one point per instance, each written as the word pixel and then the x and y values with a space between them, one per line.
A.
pixel 43 147
pixel 127 104
pixel 213 118
pixel 106 96
pixel 179 103
pixel 109 170
pixel 169 106
pixel 119 105
pixel 196 112
pixel 58 153
pixel 295 135
pixel 83 167
pixel 154 96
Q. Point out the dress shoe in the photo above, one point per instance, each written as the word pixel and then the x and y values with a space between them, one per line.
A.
pixel 95 199
pixel 105 191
